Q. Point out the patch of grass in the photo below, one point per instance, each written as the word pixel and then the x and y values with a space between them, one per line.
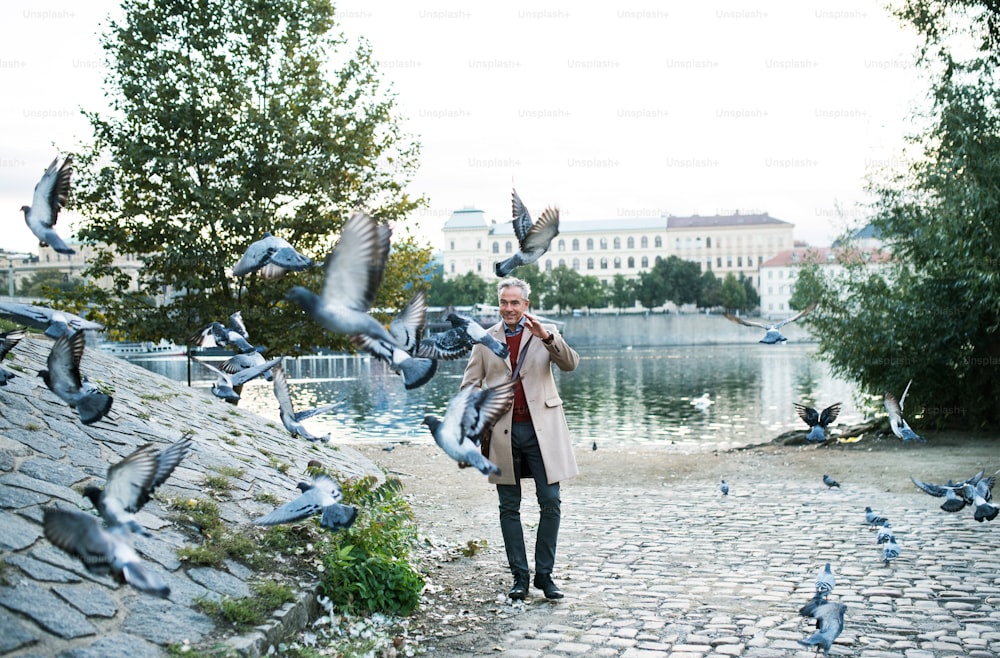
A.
pixel 236 432
pixel 220 485
pixel 473 547
pixel 265 497
pixel 230 471
pixel 228 440
pixel 278 465
pixel 268 596
pixel 4 567
pixel 33 427
pixel 143 415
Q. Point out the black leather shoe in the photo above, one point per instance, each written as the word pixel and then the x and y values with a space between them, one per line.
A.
pixel 520 588
pixel 543 581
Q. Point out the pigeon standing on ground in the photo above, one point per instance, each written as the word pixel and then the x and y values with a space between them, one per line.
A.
pixel 50 196
pixel 470 412
pixel 272 255
pixel 884 535
pixel 291 419
pixel 873 519
pixel 7 342
pixel 825 581
pixel 890 550
pixel 63 378
pixel 353 272
pixel 225 384
pixel 829 624
pixel 133 480
pixel 101 551
pixel 53 322
pixel 896 421
pixel 533 239
pixel 771 335
pixel 817 422
pixel 407 328
pixel 830 482
pixel 322 495
pixel 724 488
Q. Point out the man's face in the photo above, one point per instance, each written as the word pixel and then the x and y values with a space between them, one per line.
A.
pixel 512 305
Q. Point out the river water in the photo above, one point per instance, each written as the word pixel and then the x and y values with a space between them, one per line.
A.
pixel 615 397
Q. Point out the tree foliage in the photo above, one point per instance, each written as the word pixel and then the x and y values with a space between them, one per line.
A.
pixel 464 290
pixel 933 313
pixel 227 120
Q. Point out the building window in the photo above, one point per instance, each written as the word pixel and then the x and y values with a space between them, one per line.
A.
pixel 576 264
pixel 644 242
pixel 708 243
pixel 729 261
pixel 453 245
pixel 697 243
pixel 631 243
pixel 562 262
pixel 657 259
pixel 479 245
pixel 770 274
pixel 453 268
pixel 561 245
pixel 548 265
pixel 590 263
pixel 508 247
pixel 718 261
pixel 617 243
pixel 590 244
pixel 479 266
pixel 677 244
pixel 576 245
pixel 618 262
pixel 604 263
pixel 739 261
pixel 645 260
pixel 657 242
pixel 496 247
pixel 631 262
pixel 604 244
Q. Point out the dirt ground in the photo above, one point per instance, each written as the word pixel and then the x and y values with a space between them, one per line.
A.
pixel 457 509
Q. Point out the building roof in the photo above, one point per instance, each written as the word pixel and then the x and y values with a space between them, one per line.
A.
pixel 804 255
pixel 714 221
pixel 466 218
pixel 627 223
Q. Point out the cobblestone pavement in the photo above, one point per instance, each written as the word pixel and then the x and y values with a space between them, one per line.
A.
pixel 683 571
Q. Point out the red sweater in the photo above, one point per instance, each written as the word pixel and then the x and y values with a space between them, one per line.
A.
pixel 520 414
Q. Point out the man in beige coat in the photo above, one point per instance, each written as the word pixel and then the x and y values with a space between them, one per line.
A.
pixel 532 437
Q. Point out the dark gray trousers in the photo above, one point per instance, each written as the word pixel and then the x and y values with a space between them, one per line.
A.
pixel 524 445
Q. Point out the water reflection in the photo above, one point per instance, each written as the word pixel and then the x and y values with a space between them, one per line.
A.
pixel 615 396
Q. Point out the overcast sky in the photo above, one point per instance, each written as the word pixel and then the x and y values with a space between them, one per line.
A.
pixel 607 110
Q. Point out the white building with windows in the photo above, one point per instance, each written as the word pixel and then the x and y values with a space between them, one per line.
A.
pixel 603 248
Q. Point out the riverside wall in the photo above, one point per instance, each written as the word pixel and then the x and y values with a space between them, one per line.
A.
pixel 664 330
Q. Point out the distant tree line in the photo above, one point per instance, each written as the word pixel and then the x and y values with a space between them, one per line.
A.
pixel 563 289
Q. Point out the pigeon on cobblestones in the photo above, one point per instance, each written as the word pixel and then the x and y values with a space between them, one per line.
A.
pixel 818 422
pixel 63 378
pixel 272 255
pixel 7 342
pixel 830 482
pixel 825 581
pixel 873 519
pixel 533 238
pixel 829 624
pixel 133 480
pixel 470 412
pixel 322 495
pixel 890 550
pixel 102 552
pixel 291 419
pixel 353 272
pixel 771 333
pixel 884 535
pixel 724 488
pixel 52 321
pixel 896 421
pixel 50 196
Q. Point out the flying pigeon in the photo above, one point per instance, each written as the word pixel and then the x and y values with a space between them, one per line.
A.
pixel 984 510
pixel 469 412
pixel 896 421
pixel 272 255
pixel 830 482
pixel 825 581
pixel 724 488
pixel 291 419
pixel 49 198
pixel 101 551
pixel 533 238
pixel 406 328
pixel 890 550
pixel 829 624
pixel 476 332
pixel 215 334
pixel 225 384
pixel 458 341
pixel 244 361
pixel 63 378
pixel 322 495
pixel 873 519
pixel 771 335
pixel 817 422
pixel 53 322
pixel 353 272
pixel 133 480
pixel 951 491
pixel 7 342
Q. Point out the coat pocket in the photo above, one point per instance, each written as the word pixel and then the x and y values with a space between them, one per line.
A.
pixel 553 402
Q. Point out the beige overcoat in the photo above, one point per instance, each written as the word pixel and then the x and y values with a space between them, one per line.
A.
pixel 487 370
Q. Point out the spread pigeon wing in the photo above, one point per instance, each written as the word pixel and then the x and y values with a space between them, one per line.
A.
pixel 9 340
pixel 446 346
pixel 354 268
pixel 484 407
pixel 301 508
pixel 168 460
pixel 245 375
pixel 808 414
pixel 52 192
pixel 521 217
pixel 933 489
pixel 829 414
pixel 746 323
pixel 408 326
pixel 80 535
pixel 797 316
pixel 129 480
pixel 538 239
pixel 64 363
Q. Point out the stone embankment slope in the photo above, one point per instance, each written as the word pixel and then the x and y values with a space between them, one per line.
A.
pixel 49 604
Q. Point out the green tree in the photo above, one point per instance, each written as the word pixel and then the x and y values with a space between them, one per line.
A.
pixel 46 283
pixel 622 292
pixel 538 280
pixel 752 298
pixel 734 293
pixel 709 290
pixel 228 120
pixel 809 286
pixel 564 284
pixel 464 290
pixel 651 289
pixel 591 293
pixel 932 314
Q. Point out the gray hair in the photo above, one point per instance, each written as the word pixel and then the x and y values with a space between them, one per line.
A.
pixel 511 282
